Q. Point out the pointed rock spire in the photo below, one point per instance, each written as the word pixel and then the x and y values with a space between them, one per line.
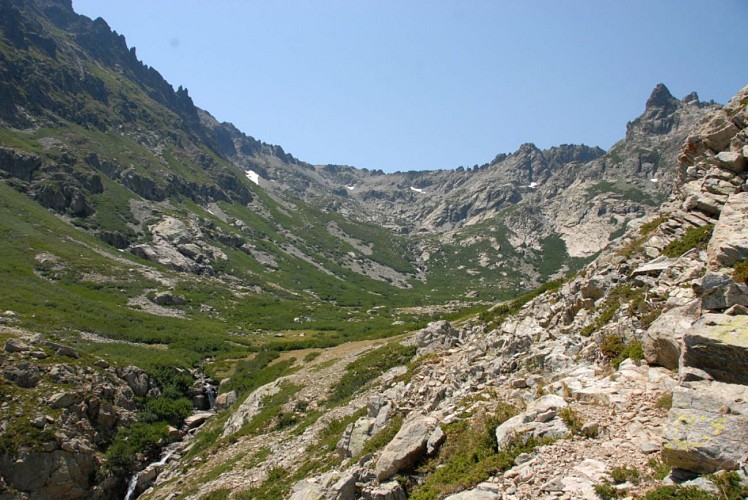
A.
pixel 661 97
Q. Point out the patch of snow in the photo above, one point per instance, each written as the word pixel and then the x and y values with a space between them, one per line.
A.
pixel 655 179
pixel 533 185
pixel 253 176
pixel 350 188
pixel 416 189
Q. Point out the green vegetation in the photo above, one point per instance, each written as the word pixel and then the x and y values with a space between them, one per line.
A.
pixel 740 272
pixel 729 485
pixel 695 237
pixel 321 458
pixel 381 438
pixel 626 474
pixel 673 492
pixel 616 349
pixel 573 420
pixel 470 455
pixel 649 227
pixel 271 417
pixel 627 191
pixel 367 367
pixel 138 438
pixel 639 305
pixel 660 470
pixel 607 491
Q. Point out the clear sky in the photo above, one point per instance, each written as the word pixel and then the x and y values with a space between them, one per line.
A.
pixel 428 84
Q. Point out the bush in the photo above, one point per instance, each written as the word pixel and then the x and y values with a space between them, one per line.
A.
pixel 660 469
pixel 606 491
pixel 678 493
pixel 665 401
pixel 740 273
pixel 572 419
pixel 470 455
pixel 138 438
pixel 616 349
pixel 695 237
pixel 624 474
pixel 729 485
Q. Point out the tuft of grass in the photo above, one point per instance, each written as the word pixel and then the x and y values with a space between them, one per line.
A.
pixel 660 469
pixel 607 491
pixel 312 356
pixel 740 272
pixel 649 227
pixel 626 474
pixel 695 237
pixel 616 349
pixel 573 420
pixel 729 485
pixel 673 492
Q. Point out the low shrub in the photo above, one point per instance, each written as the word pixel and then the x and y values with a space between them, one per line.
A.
pixel 573 420
pixel 694 237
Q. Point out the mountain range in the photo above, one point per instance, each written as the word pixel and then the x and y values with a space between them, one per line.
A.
pixel 161 246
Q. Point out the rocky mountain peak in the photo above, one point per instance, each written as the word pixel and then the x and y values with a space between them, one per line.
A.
pixel 661 98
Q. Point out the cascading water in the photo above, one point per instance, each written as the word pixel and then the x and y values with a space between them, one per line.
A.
pixel 133 484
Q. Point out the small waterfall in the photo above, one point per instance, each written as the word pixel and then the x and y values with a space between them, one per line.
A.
pixel 211 392
pixel 132 486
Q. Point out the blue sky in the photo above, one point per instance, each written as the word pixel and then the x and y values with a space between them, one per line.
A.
pixel 417 84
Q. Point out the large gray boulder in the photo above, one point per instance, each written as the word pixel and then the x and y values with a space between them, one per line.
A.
pixel 729 243
pixel 136 378
pixel 707 427
pixel 406 448
pixel 718 291
pixel 718 345
pixel 663 340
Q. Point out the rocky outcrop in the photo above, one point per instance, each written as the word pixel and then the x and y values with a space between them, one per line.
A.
pixel 718 345
pixel 407 447
pixel 708 428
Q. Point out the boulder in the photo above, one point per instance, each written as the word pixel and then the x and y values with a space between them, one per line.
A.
pixel 197 419
pixel 63 400
pixel 663 339
pixel 168 299
pixel 718 132
pixel 718 345
pixel 354 438
pixel 718 291
pixel 391 490
pixel 732 160
pixel 172 230
pixel 136 378
pixel 729 243
pixel 406 448
pixel 23 374
pixel 225 400
pixel 707 427
pixel 16 345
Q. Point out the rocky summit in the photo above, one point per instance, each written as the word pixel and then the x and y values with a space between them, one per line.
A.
pixel 189 312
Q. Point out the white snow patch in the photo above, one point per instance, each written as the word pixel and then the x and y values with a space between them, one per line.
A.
pixel 350 188
pixel 416 189
pixel 533 185
pixel 253 176
pixel 655 179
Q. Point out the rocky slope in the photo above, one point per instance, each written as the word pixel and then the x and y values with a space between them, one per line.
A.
pixel 626 378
